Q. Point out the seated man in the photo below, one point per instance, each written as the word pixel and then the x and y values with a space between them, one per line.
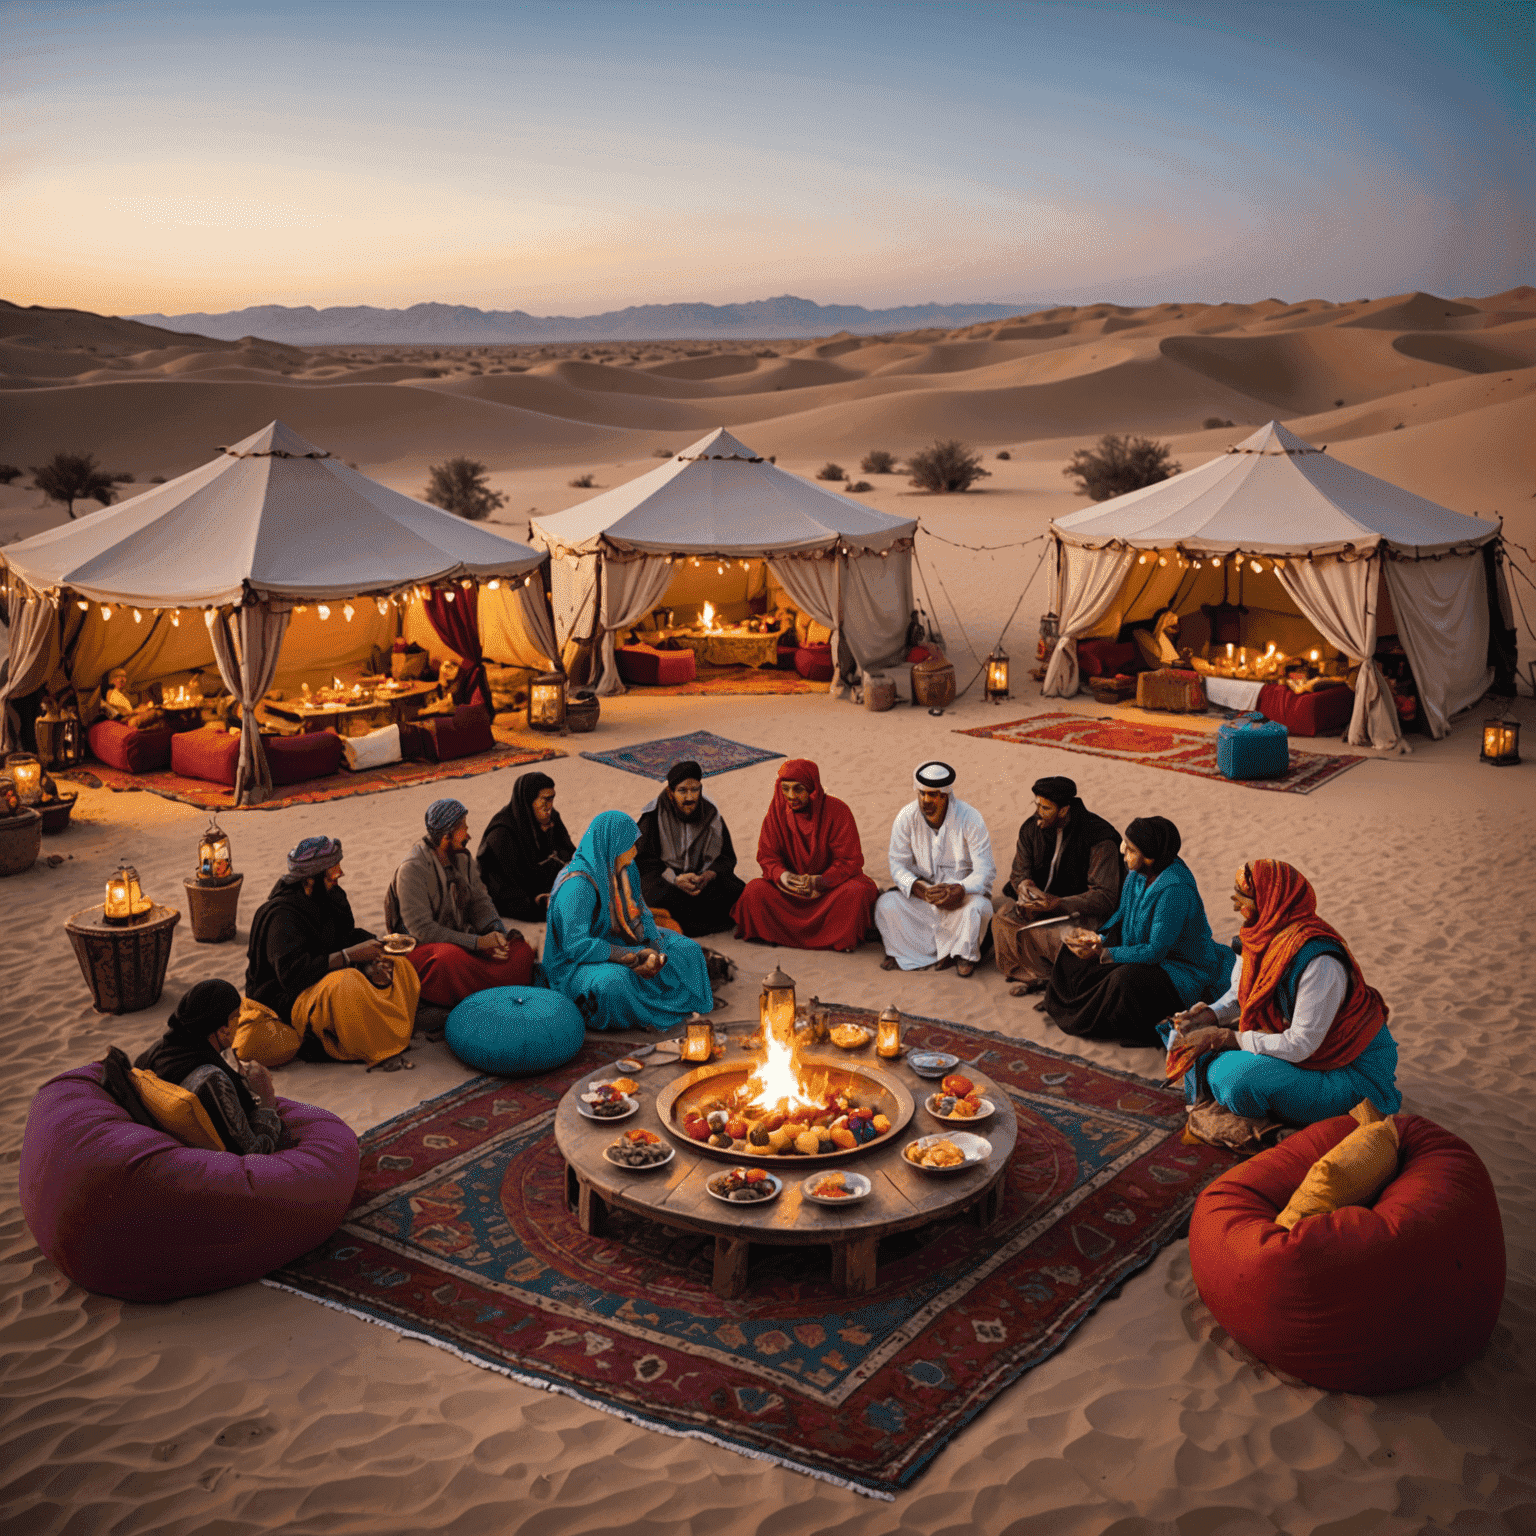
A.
pixel 118 704
pixel 686 861
pixel 1066 865
pixel 1158 646
pixel 455 687
pixel 813 892
pixel 941 861
pixel 437 897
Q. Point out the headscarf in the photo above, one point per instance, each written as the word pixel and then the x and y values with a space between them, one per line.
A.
pixel 1058 789
pixel 184 1046
pixel 443 816
pixel 1158 839
pixel 611 835
pixel 204 1008
pixel 313 856
pixel 686 769
pixel 1288 921
pixel 530 846
pixel 935 776
pixel 687 847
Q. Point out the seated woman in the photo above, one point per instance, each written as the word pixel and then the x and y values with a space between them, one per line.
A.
pixel 1153 957
pixel 311 964
pixel 1298 1037
pixel 523 849
pixel 602 948
pixel 243 1108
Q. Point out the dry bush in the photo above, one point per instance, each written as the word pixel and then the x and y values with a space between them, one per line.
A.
pixel 661 453
pixel 459 486
pixel 878 462
pixel 859 485
pixel 945 468
pixel 1003 453
pixel 9 472
pixel 830 471
pixel 1212 422
pixel 1119 464
pixel 583 482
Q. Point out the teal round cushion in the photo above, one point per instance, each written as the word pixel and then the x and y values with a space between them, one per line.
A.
pixel 515 1031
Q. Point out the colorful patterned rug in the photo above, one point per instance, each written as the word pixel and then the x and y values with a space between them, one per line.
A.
pixel 1159 746
pixel 335 786
pixel 460 1235
pixel 721 681
pixel 714 754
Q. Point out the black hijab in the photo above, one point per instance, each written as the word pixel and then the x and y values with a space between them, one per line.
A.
pixel 184 1047
pixel 1158 839
pixel 515 850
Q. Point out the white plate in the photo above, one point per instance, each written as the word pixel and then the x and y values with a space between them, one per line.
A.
pixel 977 1150
pixel 987 1110
pixel 744 1205
pixel 629 1065
pixel 860 1186
pixel 932 1063
pixel 661 1162
pixel 667 1050
pixel 398 943
pixel 585 1109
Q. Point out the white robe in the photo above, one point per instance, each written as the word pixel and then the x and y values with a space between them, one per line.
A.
pixel 956 852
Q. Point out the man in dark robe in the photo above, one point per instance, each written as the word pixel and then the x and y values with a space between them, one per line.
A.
pixel 686 862
pixel 1067 866
pixel 524 848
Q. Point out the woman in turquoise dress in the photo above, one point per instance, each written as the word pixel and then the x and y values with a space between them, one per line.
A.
pixel 602 948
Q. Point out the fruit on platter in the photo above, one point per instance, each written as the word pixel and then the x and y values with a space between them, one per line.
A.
pixel 957 1085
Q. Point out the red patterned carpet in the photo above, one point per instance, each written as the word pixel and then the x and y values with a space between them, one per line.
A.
pixel 735 680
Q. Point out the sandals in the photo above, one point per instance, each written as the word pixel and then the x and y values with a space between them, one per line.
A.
pixel 965 967
pixel 889 963
pixel 1026 988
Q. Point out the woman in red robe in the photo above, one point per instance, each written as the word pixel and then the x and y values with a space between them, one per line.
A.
pixel 813 892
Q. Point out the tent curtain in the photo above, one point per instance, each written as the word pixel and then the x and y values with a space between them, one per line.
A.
pixel 1338 597
pixel 33 630
pixel 1442 620
pixel 573 596
pixel 246 645
pixel 458 626
pixel 814 587
pixel 630 589
pixel 877 606
pixel 1088 582
pixel 539 621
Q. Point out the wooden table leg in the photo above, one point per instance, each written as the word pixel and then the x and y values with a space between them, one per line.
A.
pixel 572 1188
pixel 853 1265
pixel 590 1209
pixel 730 1267
pixel 987 1209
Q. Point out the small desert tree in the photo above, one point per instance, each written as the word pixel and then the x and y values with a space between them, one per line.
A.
pixel 9 472
pixel 460 486
pixel 949 465
pixel 878 462
pixel 1119 464
pixel 830 471
pixel 72 477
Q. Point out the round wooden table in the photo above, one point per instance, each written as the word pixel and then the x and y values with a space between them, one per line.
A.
pixel 674 1195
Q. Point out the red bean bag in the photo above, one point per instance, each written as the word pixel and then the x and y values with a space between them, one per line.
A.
pixel 814 663
pixel 206 754
pixel 463 733
pixel 1367 1298
pixel 1324 713
pixel 126 1210
pixel 646 665
pixel 129 749
pixel 1104 658
pixel 292 759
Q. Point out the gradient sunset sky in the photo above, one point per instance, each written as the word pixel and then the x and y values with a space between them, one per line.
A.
pixel 576 157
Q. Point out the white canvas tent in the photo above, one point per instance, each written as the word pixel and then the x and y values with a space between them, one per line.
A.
pixel 1329 537
pixel 272 525
pixel 846 565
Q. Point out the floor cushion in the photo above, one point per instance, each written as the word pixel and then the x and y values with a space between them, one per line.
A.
pixel 462 734
pixel 515 1031
pixel 206 754
pixel 125 1210
pixel 313 755
pixel 814 663
pixel 1366 1298
pixel 1324 713
pixel 784 657
pixel 1104 658
pixel 129 749
pixel 645 665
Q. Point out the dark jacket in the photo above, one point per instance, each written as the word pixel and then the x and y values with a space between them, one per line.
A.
pixel 660 892
pixel 293 937
pixel 1085 834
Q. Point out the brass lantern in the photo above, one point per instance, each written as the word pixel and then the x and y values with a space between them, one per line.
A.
pixel 26 773
pixel 997 676
pixel 776 1008
pixel 698 1039
pixel 1501 743
pixel 546 702
pixel 215 862
pixel 71 741
pixel 888 1033
pixel 125 897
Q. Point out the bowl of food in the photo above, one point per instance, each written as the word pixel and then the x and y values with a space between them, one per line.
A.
pixel 629 1065
pixel 639 1150
pixel 952 1152
pixel 958 1111
pixel 850 1037
pixel 398 943
pixel 744 1186
pixel 932 1063
pixel 839 1187
pixel 604 1101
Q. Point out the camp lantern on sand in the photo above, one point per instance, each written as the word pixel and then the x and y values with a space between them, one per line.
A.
pixel 1501 743
pixel 546 702
pixel 125 899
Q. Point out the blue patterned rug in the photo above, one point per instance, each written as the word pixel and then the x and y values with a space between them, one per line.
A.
pixel 714 754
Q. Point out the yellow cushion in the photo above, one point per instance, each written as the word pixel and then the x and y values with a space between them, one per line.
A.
pixel 1353 1173
pixel 261 1036
pixel 176 1111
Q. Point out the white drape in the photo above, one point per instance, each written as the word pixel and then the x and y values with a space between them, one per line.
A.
pixel 246 645
pixel 815 587
pixel 877 606
pixel 1087 584
pixel 34 628
pixel 1338 597
pixel 538 621
pixel 573 593
pixel 630 589
pixel 1442 620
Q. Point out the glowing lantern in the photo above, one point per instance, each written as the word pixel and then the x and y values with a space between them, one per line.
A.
pixel 546 702
pixel 1501 743
pixel 26 772
pixel 997 676
pixel 71 742
pixel 699 1041
pixel 888 1033
pixel 125 897
pixel 776 1007
pixel 215 862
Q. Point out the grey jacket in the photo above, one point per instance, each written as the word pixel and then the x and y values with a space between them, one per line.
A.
pixel 438 904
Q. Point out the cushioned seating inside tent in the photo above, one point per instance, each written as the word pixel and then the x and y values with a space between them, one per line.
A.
pixel 126 1210
pixel 462 734
pixel 645 665
pixel 1107 658
pixel 515 1031
pixel 129 749
pixel 215 755
pixel 1323 713
pixel 1365 1298
pixel 814 663
pixel 784 658
pixel 206 754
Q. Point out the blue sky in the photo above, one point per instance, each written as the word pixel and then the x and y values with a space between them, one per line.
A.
pixel 575 157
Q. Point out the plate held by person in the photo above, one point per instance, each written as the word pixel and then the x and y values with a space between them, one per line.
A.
pixel 398 943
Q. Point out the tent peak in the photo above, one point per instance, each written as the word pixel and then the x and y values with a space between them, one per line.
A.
pixel 1276 440
pixel 276 440
pixel 719 444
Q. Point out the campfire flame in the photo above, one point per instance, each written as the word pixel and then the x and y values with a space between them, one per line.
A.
pixel 777 1083
pixel 709 614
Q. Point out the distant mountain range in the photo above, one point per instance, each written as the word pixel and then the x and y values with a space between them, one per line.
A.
pixel 450 324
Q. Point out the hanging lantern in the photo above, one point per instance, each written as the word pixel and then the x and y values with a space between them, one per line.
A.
pixel 125 897
pixel 997 676
pixel 215 862
pixel 776 1007
pixel 1501 743
pixel 888 1033
pixel 546 702
pixel 26 773
pixel 698 1039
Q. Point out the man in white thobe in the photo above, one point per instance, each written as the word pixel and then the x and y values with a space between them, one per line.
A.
pixel 941 860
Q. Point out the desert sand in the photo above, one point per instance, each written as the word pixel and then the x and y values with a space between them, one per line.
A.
pixel 256 1410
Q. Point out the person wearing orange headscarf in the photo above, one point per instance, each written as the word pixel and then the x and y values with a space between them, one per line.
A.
pixel 813 892
pixel 1299 1036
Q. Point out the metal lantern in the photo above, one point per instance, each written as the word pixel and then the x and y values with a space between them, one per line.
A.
pixel 125 897
pixel 698 1039
pixel 997 676
pixel 546 702
pixel 888 1033
pixel 71 743
pixel 1501 743
pixel 26 773
pixel 215 862
pixel 776 1007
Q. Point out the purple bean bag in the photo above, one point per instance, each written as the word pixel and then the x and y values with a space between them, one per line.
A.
pixel 125 1210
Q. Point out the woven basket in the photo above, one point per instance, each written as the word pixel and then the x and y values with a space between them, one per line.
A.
pixel 879 694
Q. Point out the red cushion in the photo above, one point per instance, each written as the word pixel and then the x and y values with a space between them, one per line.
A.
pixel 1100 657
pixel 205 754
pixel 814 662
pixel 129 749
pixel 645 664
pixel 314 755
pixel 1324 713
pixel 1368 1298
pixel 462 734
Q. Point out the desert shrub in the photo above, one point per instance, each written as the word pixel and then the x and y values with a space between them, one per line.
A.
pixel 9 472
pixel 661 453
pixel 583 482
pixel 878 462
pixel 831 471
pixel 157 479
pixel 1003 453
pixel 1212 422
pixel 946 467
pixel 1119 464
pixel 1338 404
pixel 72 477
pixel 859 485
pixel 459 486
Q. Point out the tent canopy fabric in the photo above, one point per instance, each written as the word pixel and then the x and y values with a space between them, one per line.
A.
pixel 274 518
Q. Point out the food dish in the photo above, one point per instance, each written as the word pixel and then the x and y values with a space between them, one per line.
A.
pixel 398 943
pixel 667 1050
pixel 640 1151
pixel 932 1063
pixel 850 1037
pixel 839 1187
pixel 951 1153
pixel 839 1125
pixel 629 1065
pixel 605 1102
pixel 744 1186
pixel 960 1110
